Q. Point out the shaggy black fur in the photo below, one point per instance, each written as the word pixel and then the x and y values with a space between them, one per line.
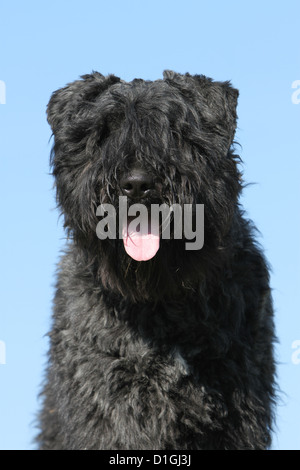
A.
pixel 175 352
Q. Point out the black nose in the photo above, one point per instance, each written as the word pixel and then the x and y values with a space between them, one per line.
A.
pixel 137 184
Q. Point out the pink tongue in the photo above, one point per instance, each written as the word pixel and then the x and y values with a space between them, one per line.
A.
pixel 142 245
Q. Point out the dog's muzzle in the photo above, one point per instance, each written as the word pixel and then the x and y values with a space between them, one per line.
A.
pixel 140 234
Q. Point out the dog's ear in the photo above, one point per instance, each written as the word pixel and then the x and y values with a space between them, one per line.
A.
pixel 215 101
pixel 221 100
pixel 68 102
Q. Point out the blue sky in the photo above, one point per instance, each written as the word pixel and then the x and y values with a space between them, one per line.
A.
pixel 44 45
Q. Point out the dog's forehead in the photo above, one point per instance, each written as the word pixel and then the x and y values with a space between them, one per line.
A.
pixel 138 98
pixel 144 99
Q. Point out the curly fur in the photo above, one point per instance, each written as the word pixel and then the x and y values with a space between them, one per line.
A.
pixel 175 352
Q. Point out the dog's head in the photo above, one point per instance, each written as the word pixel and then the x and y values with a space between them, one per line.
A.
pixel 163 142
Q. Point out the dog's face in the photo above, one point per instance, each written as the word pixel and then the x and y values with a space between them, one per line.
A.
pixel 162 142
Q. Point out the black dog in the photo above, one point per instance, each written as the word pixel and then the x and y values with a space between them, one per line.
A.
pixel 175 351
